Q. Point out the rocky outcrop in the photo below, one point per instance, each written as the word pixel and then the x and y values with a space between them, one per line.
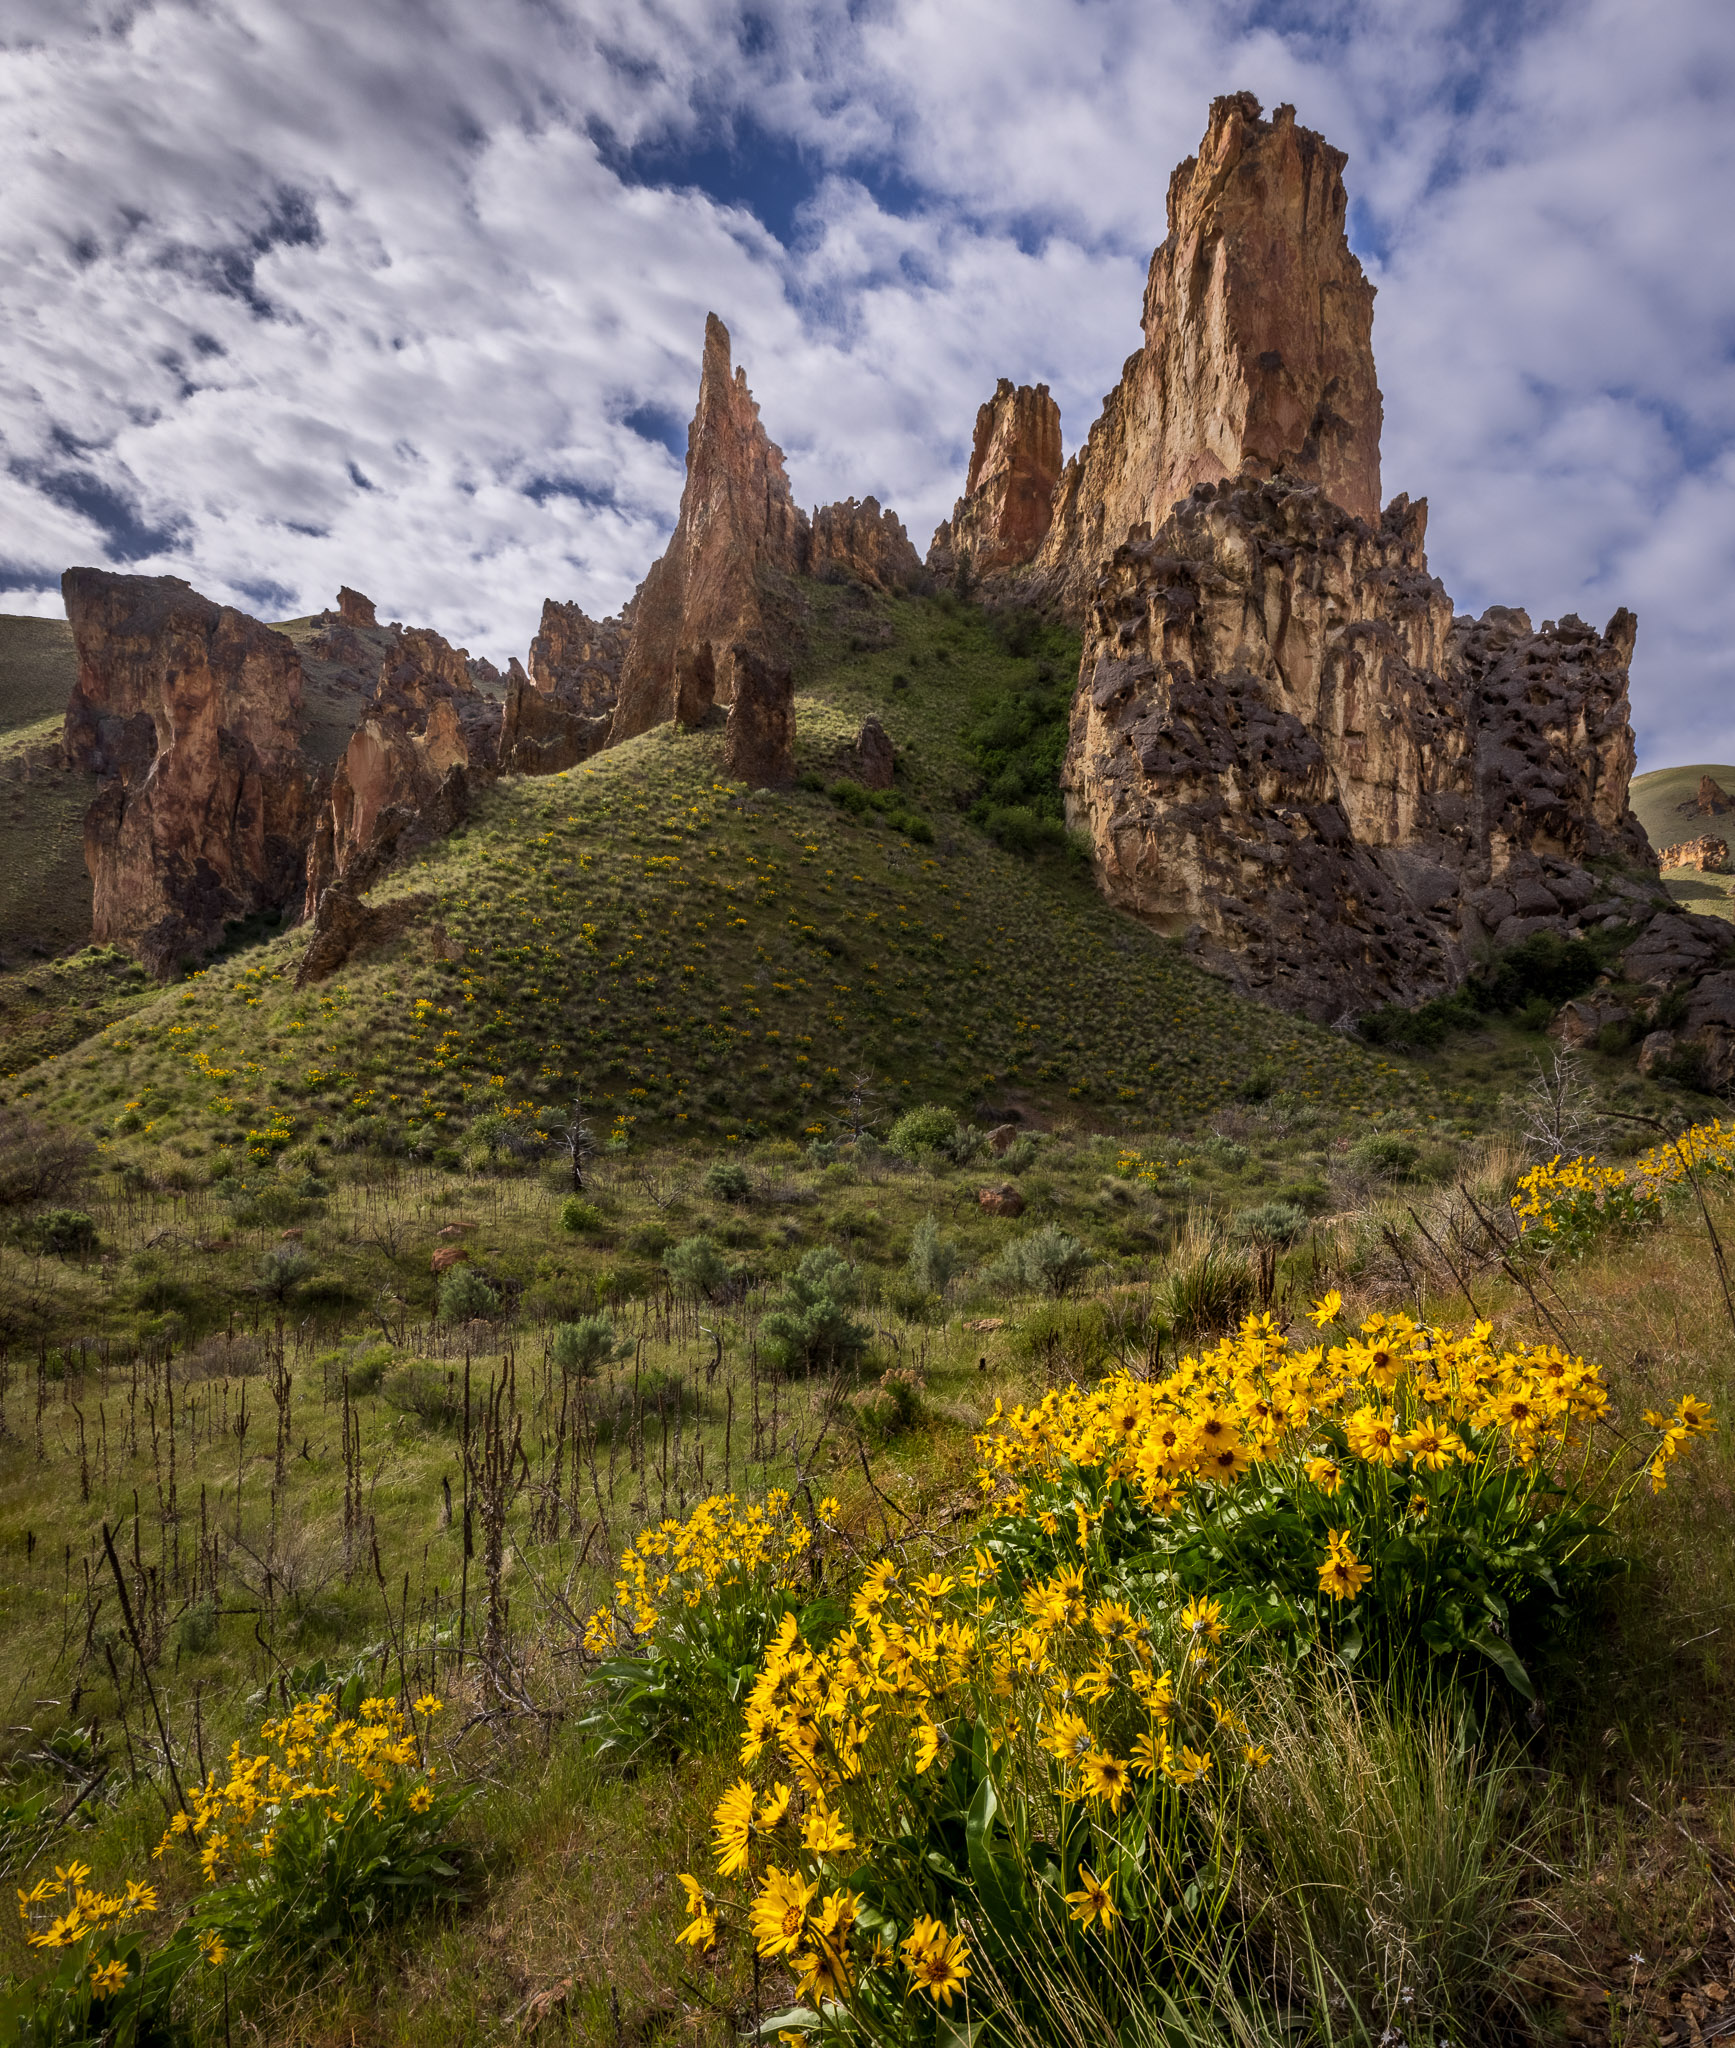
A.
pixel 860 541
pixel 739 531
pixel 759 739
pixel 406 775
pixel 344 926
pixel 542 731
pixel 1008 504
pixel 1711 801
pixel 1258 351
pixel 873 758
pixel 695 684
pixel 1706 855
pixel 1287 748
pixel 576 660
pixel 190 712
pixel 354 609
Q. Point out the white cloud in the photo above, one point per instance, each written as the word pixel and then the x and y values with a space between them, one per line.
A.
pixel 252 250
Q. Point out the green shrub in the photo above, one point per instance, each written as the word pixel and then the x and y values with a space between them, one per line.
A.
pixel 727 1181
pixel 281 1271
pixel 466 1297
pixel 1271 1223
pixel 1047 1260
pixel 934 1261
pixel 921 1133
pixel 583 1348
pixel 432 1393
pixel 808 1325
pixel 579 1216
pixel 697 1270
pixel 1066 1337
pixel 60 1234
pixel 892 1404
pixel 1387 1155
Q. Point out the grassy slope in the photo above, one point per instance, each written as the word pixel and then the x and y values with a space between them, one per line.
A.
pixel 44 889
pixel 708 959
pixel 1656 799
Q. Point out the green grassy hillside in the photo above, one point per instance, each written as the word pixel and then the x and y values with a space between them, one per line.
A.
pixel 1658 800
pixel 712 960
pixel 44 889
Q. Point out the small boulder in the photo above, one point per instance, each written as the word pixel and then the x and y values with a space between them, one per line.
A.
pixel 446 1257
pixel 1657 1048
pixel 1001 1137
pixel 875 758
pixel 1578 1022
pixel 1001 1201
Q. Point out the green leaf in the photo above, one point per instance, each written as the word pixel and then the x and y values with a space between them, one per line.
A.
pixel 1498 1651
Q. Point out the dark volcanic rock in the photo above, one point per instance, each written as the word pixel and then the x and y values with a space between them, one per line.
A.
pixel 191 711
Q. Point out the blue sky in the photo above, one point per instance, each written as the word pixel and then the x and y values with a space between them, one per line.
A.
pixel 410 295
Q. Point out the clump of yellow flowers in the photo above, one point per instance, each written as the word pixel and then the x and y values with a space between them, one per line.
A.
pixel 1569 1200
pixel 68 1912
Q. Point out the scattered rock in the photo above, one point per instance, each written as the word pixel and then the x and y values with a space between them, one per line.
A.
pixel 1675 946
pixel 1001 1137
pixel 874 758
pixel 448 1256
pixel 759 740
pixel 1657 1047
pixel 191 712
pixel 1577 1023
pixel 1258 350
pixel 1008 502
pixel 984 1325
pixel 1001 1201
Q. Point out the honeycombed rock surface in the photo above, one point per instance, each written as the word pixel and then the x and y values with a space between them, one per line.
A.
pixel 1258 349
pixel 1008 504
pixel 190 713
pixel 1287 748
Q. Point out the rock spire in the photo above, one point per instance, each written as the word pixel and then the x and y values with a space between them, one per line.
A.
pixel 1008 502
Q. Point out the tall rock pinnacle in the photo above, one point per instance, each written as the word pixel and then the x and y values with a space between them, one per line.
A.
pixel 1258 351
pixel 738 524
pixel 1003 516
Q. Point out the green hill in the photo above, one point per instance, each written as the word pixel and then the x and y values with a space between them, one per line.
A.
pixel 708 959
pixel 1663 803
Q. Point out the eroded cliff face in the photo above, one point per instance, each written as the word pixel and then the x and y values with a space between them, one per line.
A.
pixel 406 775
pixel 1286 748
pixel 1008 504
pixel 860 540
pixel 576 660
pixel 191 714
pixel 739 531
pixel 1258 348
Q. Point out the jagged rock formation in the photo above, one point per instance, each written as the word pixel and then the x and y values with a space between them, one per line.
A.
pixel 860 540
pixel 345 926
pixel 695 684
pixel 1706 855
pixel 1008 503
pixel 576 660
pixel 542 732
pixel 739 530
pixel 1285 746
pixel 191 713
pixel 405 777
pixel 354 609
pixel 1711 802
pixel 1258 352
pixel 759 739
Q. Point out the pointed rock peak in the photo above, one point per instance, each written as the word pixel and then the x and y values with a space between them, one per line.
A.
pixel 1258 350
pixel 738 526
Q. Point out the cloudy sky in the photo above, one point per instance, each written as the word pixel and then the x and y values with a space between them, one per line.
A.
pixel 409 293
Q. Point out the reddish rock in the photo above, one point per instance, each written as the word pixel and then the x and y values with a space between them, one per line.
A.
pixel 738 529
pixel 192 713
pixel 405 777
pixel 1008 502
pixel 1258 351
pixel 1001 1138
pixel 861 541
pixel 759 740
pixel 344 926
pixel 1712 800
pixel 448 1256
pixel 354 609
pixel 695 684
pixel 1001 1201
pixel 542 732
pixel 873 757
pixel 576 660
